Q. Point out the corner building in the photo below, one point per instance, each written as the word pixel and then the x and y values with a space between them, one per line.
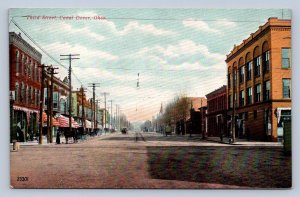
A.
pixel 259 82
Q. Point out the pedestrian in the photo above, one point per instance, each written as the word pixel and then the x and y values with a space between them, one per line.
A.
pixel 58 137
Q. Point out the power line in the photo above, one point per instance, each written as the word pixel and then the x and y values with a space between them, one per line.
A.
pixel 42 49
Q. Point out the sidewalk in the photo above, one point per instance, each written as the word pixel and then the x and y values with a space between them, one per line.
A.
pixel 62 140
pixel 243 142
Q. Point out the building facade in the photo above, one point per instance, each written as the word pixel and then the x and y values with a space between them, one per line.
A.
pixel 217 112
pixel 259 82
pixel 24 86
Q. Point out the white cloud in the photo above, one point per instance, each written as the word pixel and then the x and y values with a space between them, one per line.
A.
pixel 183 47
pixel 66 29
pixel 85 53
pixel 199 25
pixel 226 23
pixel 134 26
pixel 149 28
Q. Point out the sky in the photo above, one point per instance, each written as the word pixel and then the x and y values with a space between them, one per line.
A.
pixel 174 51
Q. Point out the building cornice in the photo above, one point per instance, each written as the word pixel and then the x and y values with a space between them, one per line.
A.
pixel 273 24
pixel 19 42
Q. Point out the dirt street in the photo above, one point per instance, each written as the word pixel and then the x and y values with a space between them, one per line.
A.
pixel 118 161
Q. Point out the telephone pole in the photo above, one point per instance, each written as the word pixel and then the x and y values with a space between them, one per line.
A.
pixel 94 85
pixel 105 118
pixel 97 103
pixel 50 103
pixel 116 123
pixel 42 104
pixel 70 57
pixel 111 116
pixel 82 91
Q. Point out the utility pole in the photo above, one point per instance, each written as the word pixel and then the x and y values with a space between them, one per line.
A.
pixel 97 105
pixel 111 116
pixel 105 118
pixel 234 103
pixel 94 85
pixel 50 103
pixel 82 90
pixel 70 58
pixel 42 104
pixel 116 123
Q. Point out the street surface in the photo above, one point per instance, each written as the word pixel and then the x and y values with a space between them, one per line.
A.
pixel 127 161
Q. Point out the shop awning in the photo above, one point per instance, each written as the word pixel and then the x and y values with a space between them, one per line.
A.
pixel 64 122
pixel 54 121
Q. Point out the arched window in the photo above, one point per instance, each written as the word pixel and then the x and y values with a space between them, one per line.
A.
pixel 241 70
pixel 265 57
pixel 17 61
pixel 248 66
pixel 256 61
pixel 35 72
pixel 22 89
pixel 22 63
pixel 16 91
pixel 26 94
pixel 29 69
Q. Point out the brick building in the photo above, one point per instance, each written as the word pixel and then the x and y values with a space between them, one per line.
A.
pixel 196 119
pixel 259 82
pixel 217 112
pixel 24 85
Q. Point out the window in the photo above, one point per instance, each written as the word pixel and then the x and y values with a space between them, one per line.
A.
pixel 55 100
pixel 26 94
pixel 257 92
pixel 266 61
pixel 17 62
pixel 22 64
pixel 257 66
pixel 255 114
pixel 22 93
pixel 286 88
pixel 229 82
pixel 230 101
pixel 285 57
pixel 267 89
pixel 17 91
pixel 242 98
pixel 246 115
pixel 249 95
pixel 249 70
pixel 241 74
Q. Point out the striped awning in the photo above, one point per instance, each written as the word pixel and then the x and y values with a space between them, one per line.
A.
pixel 54 121
pixel 64 122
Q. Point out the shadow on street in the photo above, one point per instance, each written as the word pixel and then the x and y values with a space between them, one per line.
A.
pixel 260 167
pixel 157 138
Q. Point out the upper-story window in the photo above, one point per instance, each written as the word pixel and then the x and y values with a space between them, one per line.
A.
pixel 266 61
pixel 17 61
pixel 267 89
pixel 229 80
pixel 242 74
pixel 242 98
pixel 249 95
pixel 286 88
pixel 257 66
pixel 286 57
pixel 249 70
pixel 22 63
pixel 257 92
pixel 17 91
